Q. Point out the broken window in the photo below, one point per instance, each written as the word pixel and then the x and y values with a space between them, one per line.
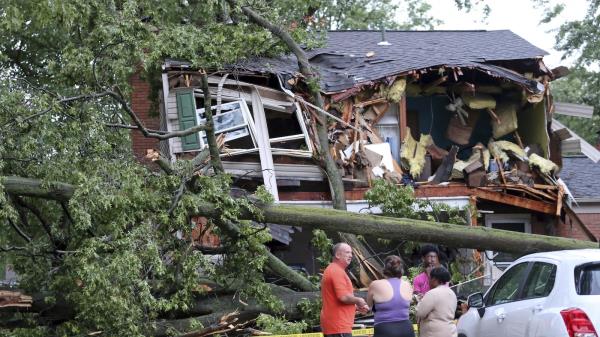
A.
pixel 234 120
pixel 287 133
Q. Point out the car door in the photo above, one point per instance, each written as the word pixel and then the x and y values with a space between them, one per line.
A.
pixel 505 291
pixel 536 288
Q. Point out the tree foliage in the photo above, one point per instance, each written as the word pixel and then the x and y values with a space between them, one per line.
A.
pixel 579 38
pixel 582 87
pixel 117 252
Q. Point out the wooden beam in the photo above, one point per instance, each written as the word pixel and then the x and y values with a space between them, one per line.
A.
pixel 402 117
pixel 508 199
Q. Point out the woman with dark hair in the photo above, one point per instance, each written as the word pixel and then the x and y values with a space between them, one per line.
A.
pixel 435 312
pixel 390 299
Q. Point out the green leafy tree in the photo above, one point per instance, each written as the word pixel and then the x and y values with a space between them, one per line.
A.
pixel 582 87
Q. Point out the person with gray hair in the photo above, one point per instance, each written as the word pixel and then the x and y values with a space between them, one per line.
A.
pixel 337 293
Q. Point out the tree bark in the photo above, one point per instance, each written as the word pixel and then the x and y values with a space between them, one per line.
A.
pixel 481 238
pixel 215 156
pixel 474 237
pixel 37 188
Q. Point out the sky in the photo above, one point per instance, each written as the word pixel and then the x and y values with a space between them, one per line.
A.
pixel 519 16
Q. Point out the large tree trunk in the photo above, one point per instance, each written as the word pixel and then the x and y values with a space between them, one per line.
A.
pixel 475 237
pixel 207 309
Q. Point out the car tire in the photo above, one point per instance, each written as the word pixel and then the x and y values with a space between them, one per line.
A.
pixel 462 335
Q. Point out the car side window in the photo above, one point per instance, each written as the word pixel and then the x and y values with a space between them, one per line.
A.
pixel 540 280
pixel 506 289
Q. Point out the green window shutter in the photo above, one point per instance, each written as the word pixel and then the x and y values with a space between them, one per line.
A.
pixel 186 111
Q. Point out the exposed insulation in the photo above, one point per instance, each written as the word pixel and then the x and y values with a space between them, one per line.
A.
pixel 457 169
pixel 531 120
pixel 413 153
pixel 479 101
pixel 397 90
pixel 507 113
pixel 546 166
pixel 501 148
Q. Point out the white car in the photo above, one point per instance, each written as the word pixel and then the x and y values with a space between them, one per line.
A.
pixel 551 294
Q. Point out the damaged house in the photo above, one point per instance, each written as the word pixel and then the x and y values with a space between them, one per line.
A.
pixel 462 116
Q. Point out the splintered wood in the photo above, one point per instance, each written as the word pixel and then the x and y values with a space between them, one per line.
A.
pixel 14 299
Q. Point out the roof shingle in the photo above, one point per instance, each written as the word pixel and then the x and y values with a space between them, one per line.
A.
pixel 343 61
pixel 581 175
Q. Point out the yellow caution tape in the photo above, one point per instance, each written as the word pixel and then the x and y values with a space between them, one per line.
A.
pixel 357 332
pixel 363 332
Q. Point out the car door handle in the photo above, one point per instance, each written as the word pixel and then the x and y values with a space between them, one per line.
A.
pixel 500 315
pixel 537 308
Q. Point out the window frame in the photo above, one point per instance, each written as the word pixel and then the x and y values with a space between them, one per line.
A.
pixel 490 293
pixel 577 274
pixel 529 274
pixel 491 219
pixel 248 125
pixel 304 136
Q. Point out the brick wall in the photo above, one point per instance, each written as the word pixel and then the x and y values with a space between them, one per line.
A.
pixel 572 229
pixel 141 103
pixel 592 221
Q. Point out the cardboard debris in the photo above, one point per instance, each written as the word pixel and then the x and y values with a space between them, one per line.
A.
pixel 384 150
pixel 458 132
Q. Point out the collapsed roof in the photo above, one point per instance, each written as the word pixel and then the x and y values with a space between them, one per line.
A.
pixel 351 58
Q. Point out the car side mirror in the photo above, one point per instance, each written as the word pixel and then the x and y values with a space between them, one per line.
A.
pixel 476 301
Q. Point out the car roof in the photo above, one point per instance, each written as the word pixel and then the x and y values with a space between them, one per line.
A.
pixel 567 255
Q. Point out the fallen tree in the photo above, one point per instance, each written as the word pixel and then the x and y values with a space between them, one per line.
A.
pixel 476 237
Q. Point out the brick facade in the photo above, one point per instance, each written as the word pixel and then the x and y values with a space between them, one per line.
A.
pixel 571 228
pixel 141 105
pixel 592 221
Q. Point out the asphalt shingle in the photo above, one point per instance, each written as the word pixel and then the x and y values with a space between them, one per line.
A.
pixel 343 61
pixel 581 175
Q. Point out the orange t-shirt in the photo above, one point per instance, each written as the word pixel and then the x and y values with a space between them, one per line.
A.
pixel 336 317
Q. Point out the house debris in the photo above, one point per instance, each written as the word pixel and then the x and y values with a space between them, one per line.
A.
pixel 455 114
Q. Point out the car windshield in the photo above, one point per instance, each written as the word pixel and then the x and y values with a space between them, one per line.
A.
pixel 587 279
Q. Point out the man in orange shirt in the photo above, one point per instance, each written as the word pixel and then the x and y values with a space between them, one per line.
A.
pixel 339 302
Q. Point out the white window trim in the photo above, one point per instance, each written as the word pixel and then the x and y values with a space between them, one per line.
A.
pixel 248 122
pixel 491 267
pixel 506 218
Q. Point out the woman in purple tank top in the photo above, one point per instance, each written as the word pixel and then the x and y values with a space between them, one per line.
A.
pixel 390 299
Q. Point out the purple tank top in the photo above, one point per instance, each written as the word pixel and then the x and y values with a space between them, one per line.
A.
pixel 394 310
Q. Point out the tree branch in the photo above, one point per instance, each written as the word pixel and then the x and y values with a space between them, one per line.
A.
pixel 60 101
pixel 36 188
pixel 150 133
pixel 19 231
pixel 45 225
